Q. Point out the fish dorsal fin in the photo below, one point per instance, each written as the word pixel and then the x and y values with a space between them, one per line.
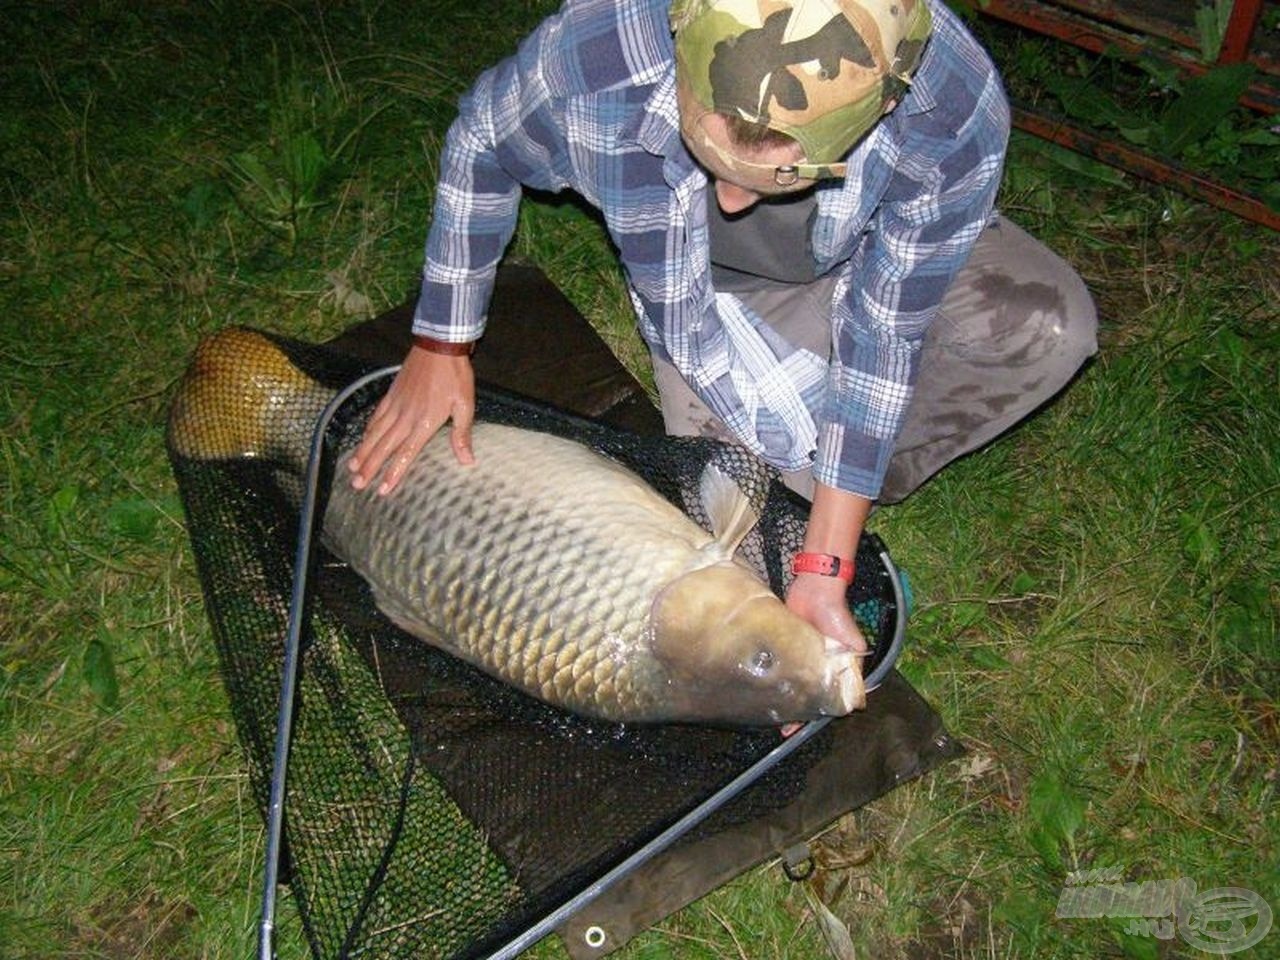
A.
pixel 729 509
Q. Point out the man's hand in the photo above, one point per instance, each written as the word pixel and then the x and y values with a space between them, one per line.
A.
pixel 430 389
pixel 819 600
pixel 835 524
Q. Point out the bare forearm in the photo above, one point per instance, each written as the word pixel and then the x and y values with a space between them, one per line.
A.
pixel 836 520
pixel 835 524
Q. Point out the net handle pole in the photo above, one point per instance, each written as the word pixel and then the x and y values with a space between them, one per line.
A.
pixel 663 840
pixel 289 673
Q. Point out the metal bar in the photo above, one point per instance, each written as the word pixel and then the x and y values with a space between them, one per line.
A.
pixel 718 799
pixel 1097 37
pixel 1239 33
pixel 1133 17
pixel 1066 134
pixel 289 672
pixel 661 842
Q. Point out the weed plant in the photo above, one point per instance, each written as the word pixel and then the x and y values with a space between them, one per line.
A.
pixel 1096 593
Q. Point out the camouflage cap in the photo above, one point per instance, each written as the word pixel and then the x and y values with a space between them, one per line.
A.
pixel 820 71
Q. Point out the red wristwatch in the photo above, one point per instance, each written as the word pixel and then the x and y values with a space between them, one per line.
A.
pixel 824 563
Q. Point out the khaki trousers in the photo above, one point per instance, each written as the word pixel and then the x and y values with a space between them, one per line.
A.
pixel 1014 327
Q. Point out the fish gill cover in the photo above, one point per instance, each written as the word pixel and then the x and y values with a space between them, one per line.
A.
pixel 432 810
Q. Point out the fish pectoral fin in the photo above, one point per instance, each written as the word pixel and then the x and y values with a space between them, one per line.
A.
pixel 728 507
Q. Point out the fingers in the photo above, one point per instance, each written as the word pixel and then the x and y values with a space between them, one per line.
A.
pixel 460 437
pixel 374 447
pixel 373 432
pixel 401 455
pixel 393 441
pixel 821 601
pixel 853 637
pixel 428 391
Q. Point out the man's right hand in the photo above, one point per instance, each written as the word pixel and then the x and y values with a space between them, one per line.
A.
pixel 430 389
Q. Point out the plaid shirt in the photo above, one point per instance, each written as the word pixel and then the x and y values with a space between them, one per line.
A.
pixel 588 103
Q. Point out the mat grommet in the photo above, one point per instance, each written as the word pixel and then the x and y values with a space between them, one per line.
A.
pixel 797 862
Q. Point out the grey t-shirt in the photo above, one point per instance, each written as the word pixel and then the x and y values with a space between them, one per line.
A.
pixel 771 240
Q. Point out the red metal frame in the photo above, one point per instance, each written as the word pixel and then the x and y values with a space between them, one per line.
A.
pixel 1091 34
pixel 1132 18
pixel 1239 36
pixel 1064 133
pixel 1235 44
pixel 1051 19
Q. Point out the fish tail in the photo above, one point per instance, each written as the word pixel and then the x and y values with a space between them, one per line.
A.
pixel 237 383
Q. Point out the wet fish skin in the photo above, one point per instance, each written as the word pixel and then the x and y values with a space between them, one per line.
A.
pixel 500 564
pixel 544 564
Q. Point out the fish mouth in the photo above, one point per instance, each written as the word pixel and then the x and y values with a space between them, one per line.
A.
pixel 843 679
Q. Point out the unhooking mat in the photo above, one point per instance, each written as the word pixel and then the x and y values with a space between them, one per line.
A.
pixel 434 812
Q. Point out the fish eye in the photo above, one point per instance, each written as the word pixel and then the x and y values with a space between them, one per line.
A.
pixel 761 662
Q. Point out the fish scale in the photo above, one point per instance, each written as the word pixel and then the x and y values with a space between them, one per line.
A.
pixel 474 566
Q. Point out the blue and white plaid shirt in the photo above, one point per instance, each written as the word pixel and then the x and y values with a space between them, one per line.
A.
pixel 588 103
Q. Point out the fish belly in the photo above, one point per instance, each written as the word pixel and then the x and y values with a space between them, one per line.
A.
pixel 539 564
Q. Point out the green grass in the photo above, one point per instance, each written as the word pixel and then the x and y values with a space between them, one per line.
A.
pixel 1097 612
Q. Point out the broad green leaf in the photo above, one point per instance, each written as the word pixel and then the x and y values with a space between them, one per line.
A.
pixel 60 506
pixel 305 164
pixel 1211 25
pixel 134 518
pixel 1139 133
pixel 254 171
pixel 1204 102
pixel 1260 137
pixel 100 673
pixel 1054 807
pixel 1199 544
pixel 1046 843
pixel 1076 162
pixel 1162 73
pixel 1085 100
pixel 988 658
pixel 1022 583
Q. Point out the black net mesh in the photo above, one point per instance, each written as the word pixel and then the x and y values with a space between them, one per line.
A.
pixel 432 811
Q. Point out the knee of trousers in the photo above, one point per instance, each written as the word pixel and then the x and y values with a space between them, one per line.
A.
pixel 1060 315
pixel 1077 324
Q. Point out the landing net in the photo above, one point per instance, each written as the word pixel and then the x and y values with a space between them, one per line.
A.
pixel 432 811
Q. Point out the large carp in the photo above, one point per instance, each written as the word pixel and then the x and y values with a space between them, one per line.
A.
pixel 544 564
